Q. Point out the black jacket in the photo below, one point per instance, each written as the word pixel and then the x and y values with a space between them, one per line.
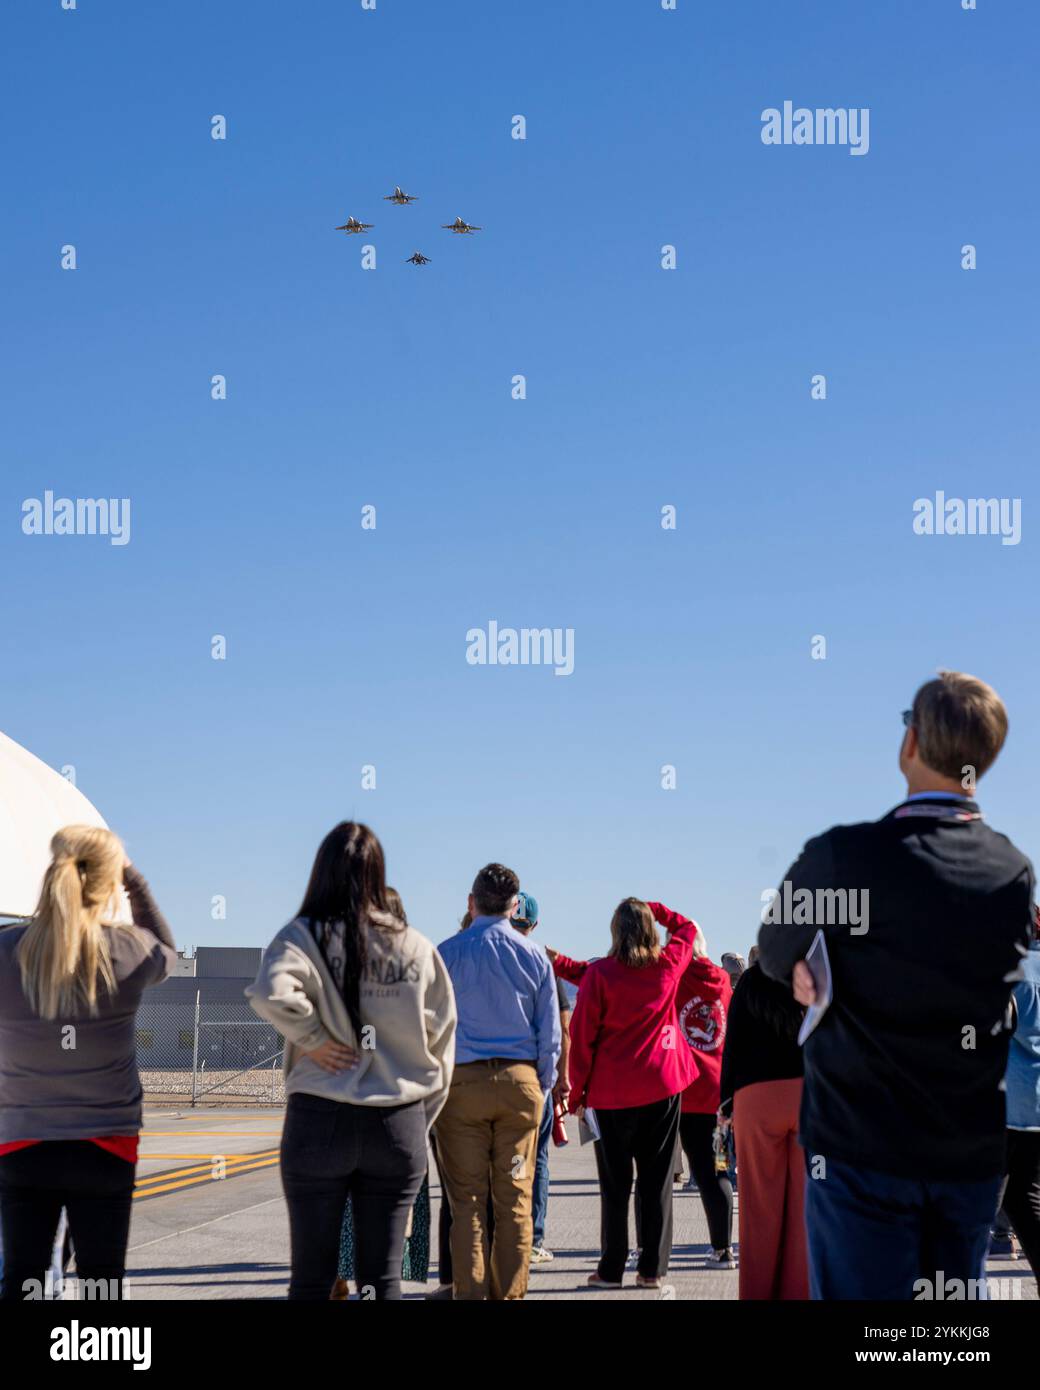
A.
pixel 762 1024
pixel 905 1072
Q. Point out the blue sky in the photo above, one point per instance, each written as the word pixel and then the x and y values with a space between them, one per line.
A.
pixel 392 387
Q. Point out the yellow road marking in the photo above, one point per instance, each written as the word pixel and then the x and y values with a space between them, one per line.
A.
pixel 144 1158
pixel 205 1177
pixel 231 1160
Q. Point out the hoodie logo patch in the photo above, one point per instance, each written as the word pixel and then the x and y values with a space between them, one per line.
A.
pixel 703 1024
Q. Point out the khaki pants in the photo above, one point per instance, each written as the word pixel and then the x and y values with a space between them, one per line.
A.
pixel 487 1135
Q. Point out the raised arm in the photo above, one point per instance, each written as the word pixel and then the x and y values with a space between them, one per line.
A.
pixel 567 969
pixel 146 916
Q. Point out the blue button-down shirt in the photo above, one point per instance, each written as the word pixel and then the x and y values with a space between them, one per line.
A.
pixel 505 993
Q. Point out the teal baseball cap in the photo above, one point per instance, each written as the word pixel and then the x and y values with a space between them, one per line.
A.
pixel 526 911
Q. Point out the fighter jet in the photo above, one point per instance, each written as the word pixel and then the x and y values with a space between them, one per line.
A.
pixel 397 196
pixel 418 259
pixel 353 225
pixel 459 226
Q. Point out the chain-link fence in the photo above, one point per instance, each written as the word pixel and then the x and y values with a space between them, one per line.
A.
pixel 208 1051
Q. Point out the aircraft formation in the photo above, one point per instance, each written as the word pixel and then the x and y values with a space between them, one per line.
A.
pixel 460 227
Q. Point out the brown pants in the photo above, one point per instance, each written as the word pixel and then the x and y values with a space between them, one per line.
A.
pixel 487 1135
pixel 771 1171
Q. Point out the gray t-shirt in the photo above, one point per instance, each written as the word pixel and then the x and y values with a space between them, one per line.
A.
pixel 76 1078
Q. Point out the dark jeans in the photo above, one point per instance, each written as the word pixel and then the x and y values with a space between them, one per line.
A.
pixel 540 1194
pixel 95 1188
pixel 696 1133
pixel 640 1137
pixel 377 1154
pixel 876 1236
pixel 1022 1193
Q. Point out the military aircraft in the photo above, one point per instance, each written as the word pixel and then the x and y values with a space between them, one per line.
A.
pixel 397 196
pixel 459 226
pixel 418 259
pixel 353 225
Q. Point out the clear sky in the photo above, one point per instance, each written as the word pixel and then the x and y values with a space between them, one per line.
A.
pixel 393 387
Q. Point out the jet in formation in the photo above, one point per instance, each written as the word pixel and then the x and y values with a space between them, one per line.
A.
pixel 398 196
pixel 459 226
pixel 417 258
pixel 353 225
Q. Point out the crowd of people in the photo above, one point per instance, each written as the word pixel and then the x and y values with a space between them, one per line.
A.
pixel 876 1114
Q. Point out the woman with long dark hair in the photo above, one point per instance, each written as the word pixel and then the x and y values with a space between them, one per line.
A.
pixel 368 1014
pixel 628 1065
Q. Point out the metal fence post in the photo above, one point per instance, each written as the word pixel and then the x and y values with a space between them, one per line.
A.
pixel 195 1050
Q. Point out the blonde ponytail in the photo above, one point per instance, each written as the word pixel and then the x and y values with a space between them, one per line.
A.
pixel 64 955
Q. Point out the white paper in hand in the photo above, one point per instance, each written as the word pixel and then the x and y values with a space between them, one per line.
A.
pixel 820 969
pixel 588 1128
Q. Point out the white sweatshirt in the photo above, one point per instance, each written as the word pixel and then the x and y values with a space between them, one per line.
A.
pixel 407 1049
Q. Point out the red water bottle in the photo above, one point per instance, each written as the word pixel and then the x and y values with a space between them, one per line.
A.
pixel 559 1130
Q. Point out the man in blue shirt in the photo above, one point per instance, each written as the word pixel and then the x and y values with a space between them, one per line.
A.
pixel 506 1050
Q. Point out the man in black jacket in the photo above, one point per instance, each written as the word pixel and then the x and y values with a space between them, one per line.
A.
pixel 925 915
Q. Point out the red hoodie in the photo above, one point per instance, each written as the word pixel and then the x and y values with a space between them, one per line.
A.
pixel 626 1044
pixel 702 1002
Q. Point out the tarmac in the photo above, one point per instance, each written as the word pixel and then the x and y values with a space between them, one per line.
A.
pixel 210 1221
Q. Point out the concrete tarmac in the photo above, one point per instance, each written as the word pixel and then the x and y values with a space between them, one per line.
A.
pixel 210 1221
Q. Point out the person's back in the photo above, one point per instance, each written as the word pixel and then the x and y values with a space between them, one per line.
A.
pixel 637 1018
pixel 497 975
pixel 52 1089
pixel 906 1067
pixel 505 1064
pixel 70 1095
pixel 924 914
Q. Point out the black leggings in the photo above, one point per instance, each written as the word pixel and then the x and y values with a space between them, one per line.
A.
pixel 378 1155
pixel 1022 1193
pixel 95 1188
pixel 695 1133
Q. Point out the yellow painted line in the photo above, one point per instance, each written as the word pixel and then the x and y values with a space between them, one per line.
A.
pixel 232 1160
pixel 205 1177
pixel 144 1158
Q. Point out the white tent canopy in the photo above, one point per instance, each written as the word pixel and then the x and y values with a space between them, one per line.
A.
pixel 35 801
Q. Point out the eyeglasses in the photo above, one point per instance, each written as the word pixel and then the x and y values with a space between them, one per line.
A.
pixel 908 719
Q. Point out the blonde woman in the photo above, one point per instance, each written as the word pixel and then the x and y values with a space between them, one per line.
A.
pixel 70 1096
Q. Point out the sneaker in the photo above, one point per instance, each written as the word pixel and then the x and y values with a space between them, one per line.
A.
pixel 633 1258
pixel 441 1292
pixel 691 1185
pixel 595 1282
pixel 540 1255
pixel 721 1259
pixel 647 1281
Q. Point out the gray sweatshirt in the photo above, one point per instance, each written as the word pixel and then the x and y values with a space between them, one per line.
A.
pixel 407 1051
pixel 76 1078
